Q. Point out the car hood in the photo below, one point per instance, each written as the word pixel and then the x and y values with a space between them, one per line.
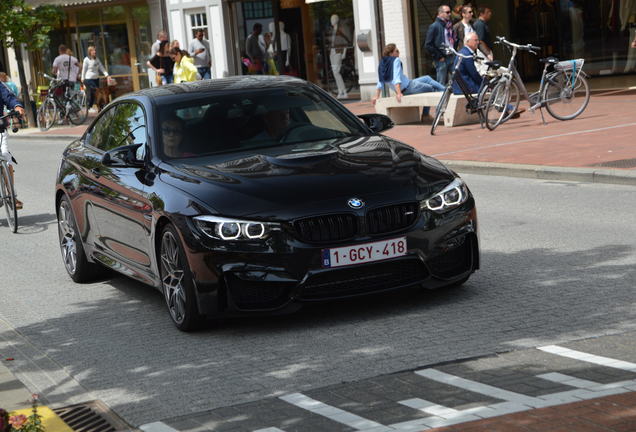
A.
pixel 309 178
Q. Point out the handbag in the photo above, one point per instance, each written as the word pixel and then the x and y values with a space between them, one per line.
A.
pixel 158 79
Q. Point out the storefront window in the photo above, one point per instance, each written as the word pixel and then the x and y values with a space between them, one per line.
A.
pixel 333 48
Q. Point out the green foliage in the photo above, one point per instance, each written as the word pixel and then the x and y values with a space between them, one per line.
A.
pixel 23 24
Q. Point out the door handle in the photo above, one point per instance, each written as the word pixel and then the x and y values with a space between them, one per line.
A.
pixel 96 172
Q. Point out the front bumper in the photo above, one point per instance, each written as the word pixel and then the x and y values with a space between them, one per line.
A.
pixel 279 275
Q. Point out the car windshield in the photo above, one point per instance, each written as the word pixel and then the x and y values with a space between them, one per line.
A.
pixel 246 121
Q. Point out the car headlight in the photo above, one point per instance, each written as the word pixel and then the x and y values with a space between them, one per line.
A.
pixel 453 195
pixel 221 228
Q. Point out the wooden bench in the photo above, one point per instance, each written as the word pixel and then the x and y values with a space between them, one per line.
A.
pixel 410 109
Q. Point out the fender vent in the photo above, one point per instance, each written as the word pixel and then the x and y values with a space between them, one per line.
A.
pixel 92 416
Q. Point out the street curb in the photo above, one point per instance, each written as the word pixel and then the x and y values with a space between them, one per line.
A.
pixel 542 172
pixel 33 136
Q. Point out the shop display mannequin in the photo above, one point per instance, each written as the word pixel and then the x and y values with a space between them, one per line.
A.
pixel 337 53
pixel 285 45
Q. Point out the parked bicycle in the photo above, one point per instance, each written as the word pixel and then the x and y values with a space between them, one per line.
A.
pixel 8 197
pixel 476 103
pixel 563 91
pixel 64 102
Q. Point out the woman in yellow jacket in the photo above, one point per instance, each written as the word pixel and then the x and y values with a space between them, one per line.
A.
pixel 184 69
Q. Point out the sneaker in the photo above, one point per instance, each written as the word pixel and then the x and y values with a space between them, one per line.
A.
pixel 518 113
pixel 18 204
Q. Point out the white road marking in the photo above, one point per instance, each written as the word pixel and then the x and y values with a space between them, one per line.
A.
pixel 157 427
pixel 438 155
pixel 589 358
pixel 332 413
pixel 269 429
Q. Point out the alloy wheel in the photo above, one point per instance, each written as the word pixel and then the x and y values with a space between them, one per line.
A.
pixel 67 238
pixel 172 275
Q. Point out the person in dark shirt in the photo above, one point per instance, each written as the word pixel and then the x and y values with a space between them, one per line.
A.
pixel 162 63
pixel 481 27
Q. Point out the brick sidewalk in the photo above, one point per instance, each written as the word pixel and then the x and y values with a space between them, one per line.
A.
pixel 615 413
pixel 602 136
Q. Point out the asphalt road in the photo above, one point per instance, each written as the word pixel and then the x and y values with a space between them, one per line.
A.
pixel 558 264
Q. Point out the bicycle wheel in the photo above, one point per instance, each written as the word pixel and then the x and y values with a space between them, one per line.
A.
pixel 514 99
pixel 8 196
pixel 46 114
pixel 441 108
pixel 78 110
pixel 565 99
pixel 496 105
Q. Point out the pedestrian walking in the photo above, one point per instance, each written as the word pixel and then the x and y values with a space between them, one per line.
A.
pixel 391 72
pixel 162 64
pixel 441 33
pixel 483 31
pixel 65 66
pixel 200 50
pixel 184 68
pixel 254 50
pixel 91 70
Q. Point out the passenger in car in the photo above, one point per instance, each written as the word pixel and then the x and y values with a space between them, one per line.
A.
pixel 172 129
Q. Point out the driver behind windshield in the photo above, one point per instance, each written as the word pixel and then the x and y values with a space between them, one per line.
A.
pixel 172 136
pixel 276 123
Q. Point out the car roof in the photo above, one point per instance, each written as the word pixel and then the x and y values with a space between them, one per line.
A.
pixel 172 92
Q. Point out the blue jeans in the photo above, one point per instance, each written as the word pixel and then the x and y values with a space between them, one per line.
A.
pixel 442 69
pixel 423 84
pixel 92 84
pixel 204 72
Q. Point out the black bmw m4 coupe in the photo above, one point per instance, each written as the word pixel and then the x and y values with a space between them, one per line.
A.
pixel 251 195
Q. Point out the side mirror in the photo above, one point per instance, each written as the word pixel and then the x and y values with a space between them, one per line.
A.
pixel 377 122
pixel 124 156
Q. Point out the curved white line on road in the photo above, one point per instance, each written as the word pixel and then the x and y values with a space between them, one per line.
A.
pixel 437 155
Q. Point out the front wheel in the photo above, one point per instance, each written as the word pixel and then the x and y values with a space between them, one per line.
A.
pixel 176 282
pixel 8 196
pixel 441 108
pixel 496 107
pixel 46 114
pixel 565 95
pixel 78 110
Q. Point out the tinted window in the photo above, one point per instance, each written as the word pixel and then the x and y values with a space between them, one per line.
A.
pixel 260 118
pixel 99 135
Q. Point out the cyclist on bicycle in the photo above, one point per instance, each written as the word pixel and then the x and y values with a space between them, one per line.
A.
pixel 8 99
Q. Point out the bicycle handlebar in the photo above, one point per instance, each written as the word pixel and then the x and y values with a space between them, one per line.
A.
pixel 451 50
pixel 12 113
pixel 528 47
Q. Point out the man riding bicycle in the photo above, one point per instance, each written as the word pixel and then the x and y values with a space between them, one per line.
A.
pixel 8 99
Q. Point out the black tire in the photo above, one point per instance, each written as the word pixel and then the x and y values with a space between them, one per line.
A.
pixel 79 108
pixel 176 281
pixel 559 92
pixel 73 255
pixel 47 113
pixel 8 197
pixel 496 106
pixel 440 109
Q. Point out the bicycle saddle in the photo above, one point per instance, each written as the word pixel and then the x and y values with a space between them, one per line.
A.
pixel 493 64
pixel 550 60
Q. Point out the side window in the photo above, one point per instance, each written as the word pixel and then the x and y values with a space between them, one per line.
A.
pixel 99 135
pixel 128 127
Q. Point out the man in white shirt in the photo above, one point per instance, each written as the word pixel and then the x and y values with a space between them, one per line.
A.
pixel 65 66
pixel 200 50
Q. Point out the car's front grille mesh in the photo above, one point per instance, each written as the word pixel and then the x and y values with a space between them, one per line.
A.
pixel 391 218
pixel 327 228
pixel 338 227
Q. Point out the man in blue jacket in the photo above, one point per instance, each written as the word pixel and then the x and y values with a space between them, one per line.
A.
pixel 441 33
pixel 8 99
pixel 468 72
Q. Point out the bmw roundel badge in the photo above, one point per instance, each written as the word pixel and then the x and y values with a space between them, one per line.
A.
pixel 355 203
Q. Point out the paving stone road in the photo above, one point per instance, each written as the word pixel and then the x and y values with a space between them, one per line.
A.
pixel 558 265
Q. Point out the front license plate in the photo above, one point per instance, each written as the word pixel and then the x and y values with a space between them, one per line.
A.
pixel 364 253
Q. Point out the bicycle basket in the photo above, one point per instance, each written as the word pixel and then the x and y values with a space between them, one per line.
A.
pixel 568 65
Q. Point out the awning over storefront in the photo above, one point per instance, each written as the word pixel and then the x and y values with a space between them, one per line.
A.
pixel 64 3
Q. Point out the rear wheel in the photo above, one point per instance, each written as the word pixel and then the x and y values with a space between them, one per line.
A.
pixel 441 108
pixel 77 265
pixel 46 114
pixel 566 96
pixel 8 197
pixel 176 281
pixel 496 106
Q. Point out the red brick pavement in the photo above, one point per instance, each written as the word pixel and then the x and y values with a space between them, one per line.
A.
pixel 607 414
pixel 606 131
